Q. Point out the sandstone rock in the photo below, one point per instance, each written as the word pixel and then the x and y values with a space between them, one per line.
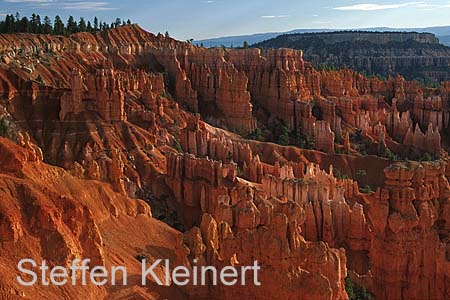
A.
pixel 429 142
pixel 113 123
pixel 409 213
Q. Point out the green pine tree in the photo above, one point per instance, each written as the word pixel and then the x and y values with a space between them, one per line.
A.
pixel 82 27
pixel 96 26
pixel 47 28
pixel 59 27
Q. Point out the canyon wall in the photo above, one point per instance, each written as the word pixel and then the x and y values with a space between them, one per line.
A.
pixel 129 115
pixel 414 55
pixel 409 218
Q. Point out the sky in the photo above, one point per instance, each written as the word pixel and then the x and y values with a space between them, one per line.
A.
pixel 200 19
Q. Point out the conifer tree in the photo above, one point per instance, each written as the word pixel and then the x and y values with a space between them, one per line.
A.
pixel 34 24
pixel 9 24
pixel 89 27
pixel 82 27
pixel 47 27
pixel 72 26
pixel 24 25
pixel 58 27
pixel 96 27
pixel 17 23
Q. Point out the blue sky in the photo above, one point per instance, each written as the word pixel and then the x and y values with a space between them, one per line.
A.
pixel 201 19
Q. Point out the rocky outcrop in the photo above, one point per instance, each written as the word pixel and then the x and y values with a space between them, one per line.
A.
pixel 398 124
pixel 278 245
pixel 275 81
pixel 66 218
pixel 372 37
pixel 196 139
pixel 288 85
pixel 106 91
pixel 404 215
pixel 216 82
pixel 231 217
pixel 197 185
pixel 109 108
pixel 429 142
pixel 179 82
pixel 329 217
pixel 430 111
pixel 383 53
pixel 324 137
pixel 225 82
pixel 72 102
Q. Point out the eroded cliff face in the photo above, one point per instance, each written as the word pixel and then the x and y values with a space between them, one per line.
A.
pixel 240 223
pixel 396 240
pixel 48 214
pixel 414 55
pixel 99 111
pixel 288 87
pixel 117 112
pixel 225 85
pixel 410 232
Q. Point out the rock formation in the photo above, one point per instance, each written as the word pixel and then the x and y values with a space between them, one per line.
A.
pixel 124 115
pixel 239 214
pixel 405 214
pixel 66 219
pixel 382 53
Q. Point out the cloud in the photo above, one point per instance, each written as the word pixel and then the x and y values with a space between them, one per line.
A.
pixel 28 1
pixel 68 5
pixel 371 7
pixel 275 16
pixel 92 6
pixel 427 6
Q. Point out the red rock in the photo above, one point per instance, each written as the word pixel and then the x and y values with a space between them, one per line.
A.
pixel 429 142
pixel 69 218
pixel 347 145
pixel 180 82
pixel 430 111
pixel 101 112
pixel 403 215
pixel 72 102
pixel 324 137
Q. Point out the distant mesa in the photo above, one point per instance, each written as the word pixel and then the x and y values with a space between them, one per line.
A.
pixel 443 33
pixel 416 56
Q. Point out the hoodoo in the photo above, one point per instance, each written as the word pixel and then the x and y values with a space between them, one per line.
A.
pixel 165 170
